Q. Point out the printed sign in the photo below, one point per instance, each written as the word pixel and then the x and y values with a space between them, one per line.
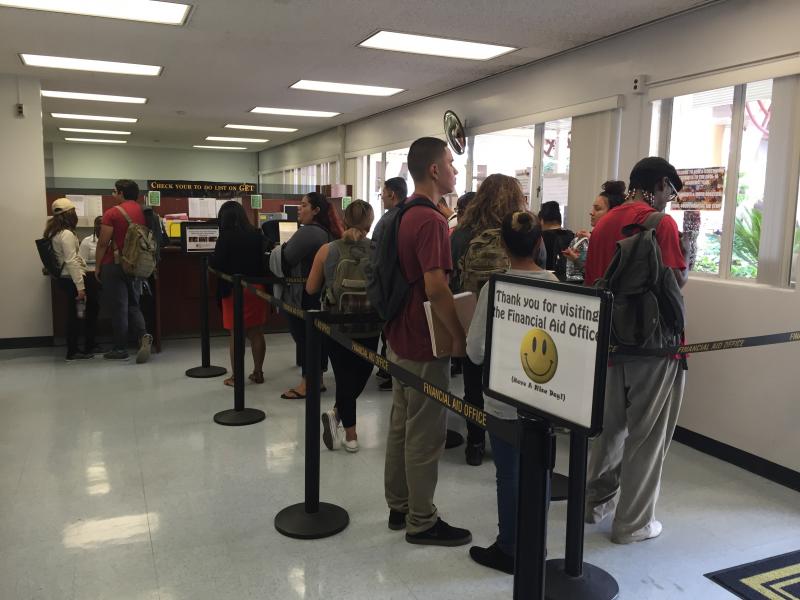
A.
pixel 702 189
pixel 190 188
pixel 547 345
pixel 199 237
pixel 255 200
pixel 154 198
pixel 346 201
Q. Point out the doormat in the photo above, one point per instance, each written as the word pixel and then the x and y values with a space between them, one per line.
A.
pixel 776 578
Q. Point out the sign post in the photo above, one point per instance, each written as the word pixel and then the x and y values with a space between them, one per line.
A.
pixel 546 355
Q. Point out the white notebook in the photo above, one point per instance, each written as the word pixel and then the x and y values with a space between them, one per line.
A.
pixel 441 341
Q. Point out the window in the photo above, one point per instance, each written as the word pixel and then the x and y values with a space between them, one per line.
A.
pixel 397 166
pixel 375 182
pixel 795 246
pixel 555 164
pixel 509 152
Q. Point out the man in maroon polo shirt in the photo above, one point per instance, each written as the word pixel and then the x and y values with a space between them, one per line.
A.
pixel 418 424
pixel 643 393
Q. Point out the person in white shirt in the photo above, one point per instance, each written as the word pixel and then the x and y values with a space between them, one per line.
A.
pixel 60 229
pixel 88 245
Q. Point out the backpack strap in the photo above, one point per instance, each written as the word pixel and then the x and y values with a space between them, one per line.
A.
pixel 124 214
pixel 653 219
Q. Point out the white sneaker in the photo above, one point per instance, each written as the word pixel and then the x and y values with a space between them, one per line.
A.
pixel 349 445
pixel 143 355
pixel 596 513
pixel 330 430
pixel 652 530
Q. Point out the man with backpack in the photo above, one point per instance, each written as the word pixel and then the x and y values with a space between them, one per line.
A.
pixel 635 251
pixel 411 266
pixel 125 256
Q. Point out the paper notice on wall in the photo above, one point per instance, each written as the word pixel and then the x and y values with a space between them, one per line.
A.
pixel 93 206
pixel 202 208
pixel 702 189
pixel 80 209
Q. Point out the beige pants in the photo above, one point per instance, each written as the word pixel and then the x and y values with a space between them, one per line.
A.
pixel 417 432
pixel 643 398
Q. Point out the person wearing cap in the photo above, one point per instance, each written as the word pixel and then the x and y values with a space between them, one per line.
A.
pixel 60 229
pixel 643 393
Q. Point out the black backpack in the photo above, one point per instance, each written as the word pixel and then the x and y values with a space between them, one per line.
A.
pixel 48 257
pixel 648 310
pixel 387 288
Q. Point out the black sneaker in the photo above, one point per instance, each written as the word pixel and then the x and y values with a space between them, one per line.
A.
pixel 381 374
pixel 397 520
pixel 79 356
pixel 474 454
pixel 454 439
pixel 493 557
pixel 441 534
pixel 386 386
pixel 116 355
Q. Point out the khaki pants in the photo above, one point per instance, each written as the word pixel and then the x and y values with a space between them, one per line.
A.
pixel 643 398
pixel 417 432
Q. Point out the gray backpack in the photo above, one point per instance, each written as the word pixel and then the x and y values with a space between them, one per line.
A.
pixel 648 310
pixel 347 293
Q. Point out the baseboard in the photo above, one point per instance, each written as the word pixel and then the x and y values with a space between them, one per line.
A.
pixel 744 460
pixel 26 342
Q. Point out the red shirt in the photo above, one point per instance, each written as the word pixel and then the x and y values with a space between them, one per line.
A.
pixel 608 231
pixel 423 245
pixel 115 219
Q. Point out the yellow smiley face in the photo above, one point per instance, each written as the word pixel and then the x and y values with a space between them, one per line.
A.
pixel 539 355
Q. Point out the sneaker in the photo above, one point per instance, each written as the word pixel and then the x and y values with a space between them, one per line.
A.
pixel 116 355
pixel 143 355
pixel 349 445
pixel 652 530
pixel 441 534
pixel 597 512
pixel 386 386
pixel 397 520
pixel 330 430
pixel 493 557
pixel 474 454
pixel 79 356
pixel 381 374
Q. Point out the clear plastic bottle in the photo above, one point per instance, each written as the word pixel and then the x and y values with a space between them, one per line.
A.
pixel 80 308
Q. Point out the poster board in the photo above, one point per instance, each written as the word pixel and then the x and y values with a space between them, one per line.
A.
pixel 547 349
pixel 198 237
pixel 702 189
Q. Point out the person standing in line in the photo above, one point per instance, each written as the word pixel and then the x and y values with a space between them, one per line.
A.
pixel 350 371
pixel 417 423
pixel 521 236
pixel 60 229
pixel 121 293
pixel 448 213
pixel 393 194
pixel 320 224
pixel 556 238
pixel 240 250
pixel 643 393
pixel 87 251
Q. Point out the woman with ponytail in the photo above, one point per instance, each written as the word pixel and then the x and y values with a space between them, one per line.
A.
pixel 319 225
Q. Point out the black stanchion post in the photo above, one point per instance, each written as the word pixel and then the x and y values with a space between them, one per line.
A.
pixel 239 415
pixel 206 369
pixel 312 519
pixel 536 461
pixel 571 578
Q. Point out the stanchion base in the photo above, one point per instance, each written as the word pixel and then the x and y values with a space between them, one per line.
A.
pixel 204 372
pixel 235 418
pixel 293 521
pixel 559 487
pixel 593 584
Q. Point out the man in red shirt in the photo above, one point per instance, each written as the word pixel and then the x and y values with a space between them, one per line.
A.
pixel 417 424
pixel 121 293
pixel 643 393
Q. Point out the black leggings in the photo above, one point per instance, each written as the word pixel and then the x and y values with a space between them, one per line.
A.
pixel 351 373
pixel 73 323
pixel 297 327
pixel 473 393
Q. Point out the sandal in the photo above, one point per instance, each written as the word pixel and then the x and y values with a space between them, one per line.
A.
pixel 292 394
pixel 256 377
pixel 229 382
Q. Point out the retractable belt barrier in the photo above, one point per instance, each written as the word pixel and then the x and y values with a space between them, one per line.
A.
pixel 745 342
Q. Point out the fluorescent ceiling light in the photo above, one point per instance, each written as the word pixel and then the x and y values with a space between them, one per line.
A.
pixel 96 141
pixel 345 88
pixel 100 131
pixel 261 128
pixel 221 147
pixel 293 112
pixel 434 46
pixel 216 138
pixel 83 64
pixel 93 118
pixel 148 11
pixel 94 97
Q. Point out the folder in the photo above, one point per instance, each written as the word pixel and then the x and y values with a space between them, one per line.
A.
pixel 441 340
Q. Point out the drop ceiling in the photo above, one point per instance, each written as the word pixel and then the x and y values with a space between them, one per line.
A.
pixel 232 56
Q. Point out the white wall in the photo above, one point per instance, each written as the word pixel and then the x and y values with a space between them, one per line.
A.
pixel 321 147
pixel 25 305
pixel 103 162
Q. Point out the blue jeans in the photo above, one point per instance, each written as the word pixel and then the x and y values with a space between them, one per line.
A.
pixel 506 462
pixel 121 299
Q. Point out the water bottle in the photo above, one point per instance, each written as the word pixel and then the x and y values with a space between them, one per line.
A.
pixel 80 308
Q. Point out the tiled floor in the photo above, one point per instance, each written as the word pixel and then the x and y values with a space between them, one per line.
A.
pixel 116 483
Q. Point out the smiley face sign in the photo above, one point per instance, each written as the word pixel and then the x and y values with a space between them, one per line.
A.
pixel 539 355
